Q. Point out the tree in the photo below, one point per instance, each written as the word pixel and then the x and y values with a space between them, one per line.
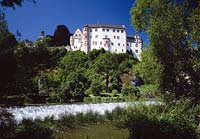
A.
pixel 149 69
pixel 72 61
pixel 3 23
pixel 106 64
pixel 43 42
pixel 71 74
pixel 174 39
pixel 75 86
pixel 13 3
pixel 7 61
pixel 61 36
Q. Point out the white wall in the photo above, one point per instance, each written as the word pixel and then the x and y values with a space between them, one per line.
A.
pixel 117 39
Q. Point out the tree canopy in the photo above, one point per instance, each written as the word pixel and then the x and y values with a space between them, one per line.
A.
pixel 173 29
pixel 61 36
pixel 13 3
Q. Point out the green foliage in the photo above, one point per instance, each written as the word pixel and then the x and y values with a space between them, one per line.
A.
pixel 149 91
pixel 3 23
pixel 106 64
pixel 43 42
pixel 61 36
pixel 7 125
pixel 75 86
pixel 130 90
pixel 96 87
pixel 34 130
pixel 13 3
pixel 159 121
pixel 149 69
pixel 174 40
pixel 7 61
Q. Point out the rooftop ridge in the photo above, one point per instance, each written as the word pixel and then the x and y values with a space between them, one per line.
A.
pixel 105 26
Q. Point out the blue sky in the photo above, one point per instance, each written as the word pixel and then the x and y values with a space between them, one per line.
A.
pixel 31 19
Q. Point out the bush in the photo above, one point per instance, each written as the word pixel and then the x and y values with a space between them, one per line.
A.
pixel 34 130
pixel 149 90
pixel 159 122
pixel 131 91
pixel 7 124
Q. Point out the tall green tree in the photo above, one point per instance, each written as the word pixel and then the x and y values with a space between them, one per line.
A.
pixel 106 64
pixel 174 39
pixel 149 69
pixel 75 86
pixel 7 61
pixel 61 36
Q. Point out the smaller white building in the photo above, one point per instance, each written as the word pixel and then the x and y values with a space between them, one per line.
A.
pixel 76 40
pixel 112 38
pixel 134 45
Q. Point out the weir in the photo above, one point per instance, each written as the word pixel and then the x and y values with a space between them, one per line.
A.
pixel 57 111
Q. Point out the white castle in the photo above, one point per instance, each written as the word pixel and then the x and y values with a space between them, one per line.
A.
pixel 112 38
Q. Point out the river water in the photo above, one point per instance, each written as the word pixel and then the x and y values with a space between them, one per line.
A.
pixel 57 111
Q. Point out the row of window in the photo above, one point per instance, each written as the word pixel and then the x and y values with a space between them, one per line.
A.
pixel 106 36
pixel 130 44
pixel 116 50
pixel 96 43
pixel 107 30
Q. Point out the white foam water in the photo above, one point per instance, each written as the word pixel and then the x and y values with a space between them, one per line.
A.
pixel 57 111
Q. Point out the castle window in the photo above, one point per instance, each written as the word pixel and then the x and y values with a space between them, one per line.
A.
pixel 136 51
pixel 122 31
pixel 114 37
pixel 95 29
pixel 96 36
pixel 100 42
pixel 112 43
pixel 122 50
pixel 118 44
pixel 107 30
pixel 115 50
pixel 103 29
pixel 90 30
pixel 113 30
pixel 117 37
pixel 94 42
pixel 118 31
pixel 106 36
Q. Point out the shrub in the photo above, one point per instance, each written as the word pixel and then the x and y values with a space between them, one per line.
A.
pixel 131 90
pixel 34 130
pixel 149 90
pixel 7 124
pixel 159 122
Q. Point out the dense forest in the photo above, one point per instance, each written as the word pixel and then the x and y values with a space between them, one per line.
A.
pixel 54 73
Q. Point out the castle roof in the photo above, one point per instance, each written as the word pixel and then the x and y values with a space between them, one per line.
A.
pixel 105 26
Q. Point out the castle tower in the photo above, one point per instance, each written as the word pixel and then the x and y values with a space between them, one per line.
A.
pixel 85 41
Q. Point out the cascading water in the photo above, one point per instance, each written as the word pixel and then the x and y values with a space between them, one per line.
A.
pixel 57 111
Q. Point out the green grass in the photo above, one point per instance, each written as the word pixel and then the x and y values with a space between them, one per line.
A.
pixel 96 131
